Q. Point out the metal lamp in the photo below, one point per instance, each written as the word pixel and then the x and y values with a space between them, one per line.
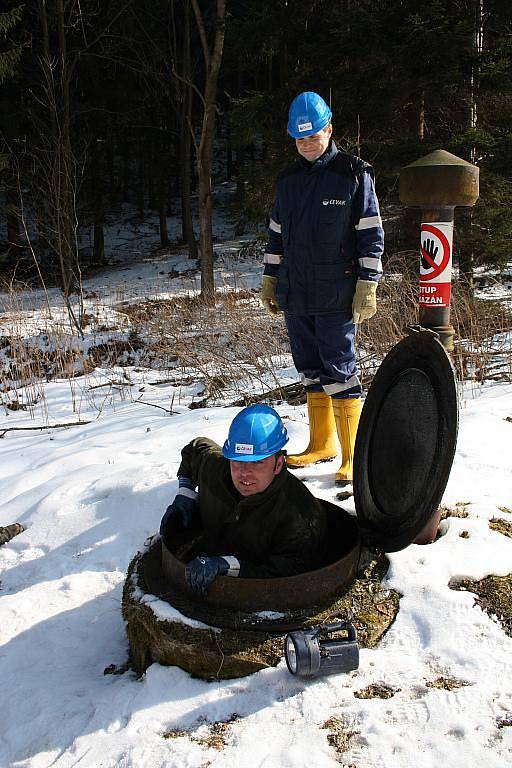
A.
pixel 312 653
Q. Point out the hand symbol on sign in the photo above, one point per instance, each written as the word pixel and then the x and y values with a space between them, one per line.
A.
pixel 431 250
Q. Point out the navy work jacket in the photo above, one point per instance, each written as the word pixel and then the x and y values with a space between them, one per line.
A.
pixel 325 232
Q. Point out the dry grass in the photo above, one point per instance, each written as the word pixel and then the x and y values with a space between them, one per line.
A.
pixel 483 329
pixel 234 350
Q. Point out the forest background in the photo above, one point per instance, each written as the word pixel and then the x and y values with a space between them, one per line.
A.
pixel 150 102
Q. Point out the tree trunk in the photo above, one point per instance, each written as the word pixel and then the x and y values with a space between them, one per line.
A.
pixel 125 152
pixel 421 117
pixel 229 148
pixel 98 255
pixel 185 143
pixel 212 60
pixel 57 177
pixel 161 170
pixel 140 179
pixel 99 237
pixel 12 213
pixel 467 257
pixel 65 169
pixel 240 172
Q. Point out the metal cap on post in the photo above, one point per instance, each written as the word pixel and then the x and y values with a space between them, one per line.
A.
pixel 437 184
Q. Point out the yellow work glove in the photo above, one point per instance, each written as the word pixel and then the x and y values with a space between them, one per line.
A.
pixel 268 294
pixel 364 303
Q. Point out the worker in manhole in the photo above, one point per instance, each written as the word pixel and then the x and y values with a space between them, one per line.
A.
pixel 257 519
pixel 322 266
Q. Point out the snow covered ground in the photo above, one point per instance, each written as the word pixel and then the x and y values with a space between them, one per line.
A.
pixel 89 496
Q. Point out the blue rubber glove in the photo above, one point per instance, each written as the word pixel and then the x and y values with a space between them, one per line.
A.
pixel 181 512
pixel 202 571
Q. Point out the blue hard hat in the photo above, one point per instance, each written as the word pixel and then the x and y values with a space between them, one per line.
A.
pixel 308 114
pixel 255 433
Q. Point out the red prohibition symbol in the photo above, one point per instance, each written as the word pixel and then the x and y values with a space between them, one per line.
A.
pixel 437 269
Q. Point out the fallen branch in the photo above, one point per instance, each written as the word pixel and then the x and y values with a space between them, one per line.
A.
pixel 167 410
pixel 112 384
pixel 47 426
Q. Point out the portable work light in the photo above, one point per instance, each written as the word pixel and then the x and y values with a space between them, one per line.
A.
pixel 312 653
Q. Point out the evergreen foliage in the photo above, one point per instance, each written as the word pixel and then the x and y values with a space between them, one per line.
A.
pixel 11 52
pixel 403 78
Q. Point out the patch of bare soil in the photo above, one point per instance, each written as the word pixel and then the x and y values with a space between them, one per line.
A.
pixel 339 736
pixel 447 683
pixel 493 595
pixel 212 735
pixel 459 510
pixel 377 691
pixel 501 526
pixel 8 532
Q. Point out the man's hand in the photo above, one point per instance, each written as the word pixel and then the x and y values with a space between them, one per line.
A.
pixel 202 571
pixel 181 512
pixel 268 294
pixel 364 303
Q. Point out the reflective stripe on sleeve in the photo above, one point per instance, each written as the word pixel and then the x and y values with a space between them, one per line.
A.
pixel 188 492
pixel 234 565
pixel 369 222
pixel 308 382
pixel 371 262
pixel 274 226
pixel 334 389
pixel 272 258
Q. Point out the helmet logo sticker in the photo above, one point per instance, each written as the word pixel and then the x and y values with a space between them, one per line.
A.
pixel 246 448
pixel 304 127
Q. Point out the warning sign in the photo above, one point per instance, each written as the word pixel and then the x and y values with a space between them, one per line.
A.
pixel 435 294
pixel 436 264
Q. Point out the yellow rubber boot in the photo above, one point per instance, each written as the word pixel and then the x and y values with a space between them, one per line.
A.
pixel 322 441
pixel 346 415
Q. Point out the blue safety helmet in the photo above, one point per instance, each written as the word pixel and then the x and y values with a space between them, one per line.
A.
pixel 308 115
pixel 255 433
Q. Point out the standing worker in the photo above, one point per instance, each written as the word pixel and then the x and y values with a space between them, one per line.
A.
pixel 322 266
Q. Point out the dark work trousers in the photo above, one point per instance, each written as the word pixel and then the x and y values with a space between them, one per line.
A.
pixel 323 352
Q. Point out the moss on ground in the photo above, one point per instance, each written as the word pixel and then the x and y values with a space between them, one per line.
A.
pixel 226 652
pixel 370 606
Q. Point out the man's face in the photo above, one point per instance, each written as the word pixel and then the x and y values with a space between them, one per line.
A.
pixel 250 477
pixel 311 147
